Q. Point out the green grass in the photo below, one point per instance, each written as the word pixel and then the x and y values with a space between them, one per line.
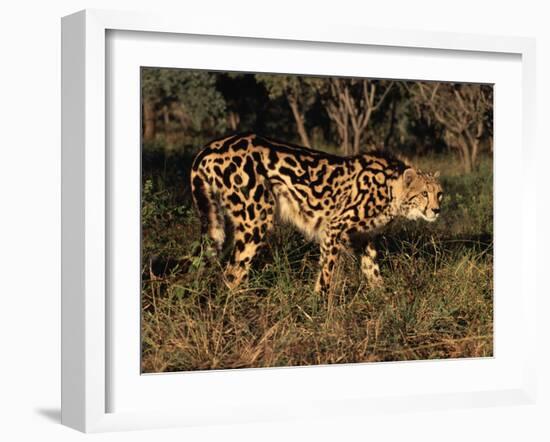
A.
pixel 437 301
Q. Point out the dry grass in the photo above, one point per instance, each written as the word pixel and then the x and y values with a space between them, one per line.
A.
pixel 436 302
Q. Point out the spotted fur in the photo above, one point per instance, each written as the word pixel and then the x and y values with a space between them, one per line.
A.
pixel 253 182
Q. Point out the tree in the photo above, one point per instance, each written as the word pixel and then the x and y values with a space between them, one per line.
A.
pixel 299 92
pixel 350 104
pixel 463 110
pixel 188 97
pixel 338 111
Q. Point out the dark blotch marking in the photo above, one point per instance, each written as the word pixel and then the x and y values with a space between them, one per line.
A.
pixel 241 145
pixel 239 245
pixel 234 198
pixel 258 193
pixel 256 235
pixel 202 200
pixel 318 223
pixel 261 169
pixel 249 170
pixel 230 170
pixel 273 159
pixel 290 161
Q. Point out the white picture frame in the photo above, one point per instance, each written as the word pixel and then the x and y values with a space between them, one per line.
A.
pixel 86 206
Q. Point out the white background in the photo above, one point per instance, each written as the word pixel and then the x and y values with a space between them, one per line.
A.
pixel 132 392
pixel 30 216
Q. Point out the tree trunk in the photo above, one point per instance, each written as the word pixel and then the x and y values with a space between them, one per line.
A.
pixel 298 118
pixel 466 155
pixel 356 142
pixel 166 120
pixel 149 116
pixel 345 141
pixel 475 150
pixel 233 120
pixel 389 135
pixel 473 141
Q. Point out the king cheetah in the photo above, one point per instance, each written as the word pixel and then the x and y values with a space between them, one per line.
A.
pixel 254 182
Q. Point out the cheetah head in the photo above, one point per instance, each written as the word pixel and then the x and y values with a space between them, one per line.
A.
pixel 420 195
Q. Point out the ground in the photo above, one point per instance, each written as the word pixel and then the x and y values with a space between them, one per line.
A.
pixel 437 301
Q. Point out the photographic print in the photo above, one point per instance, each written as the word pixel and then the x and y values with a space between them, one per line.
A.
pixel 294 220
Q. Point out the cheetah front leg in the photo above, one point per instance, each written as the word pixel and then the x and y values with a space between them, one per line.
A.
pixel 330 250
pixel 369 267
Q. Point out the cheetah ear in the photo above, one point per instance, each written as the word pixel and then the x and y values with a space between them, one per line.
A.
pixel 409 176
pixel 436 174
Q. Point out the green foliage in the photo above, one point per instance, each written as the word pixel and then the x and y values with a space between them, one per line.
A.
pixel 194 91
pixel 163 221
pixel 303 88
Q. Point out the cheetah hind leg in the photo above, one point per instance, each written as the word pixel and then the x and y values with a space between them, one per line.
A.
pixel 211 217
pixel 247 243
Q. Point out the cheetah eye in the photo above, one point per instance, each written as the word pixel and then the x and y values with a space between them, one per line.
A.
pixel 440 196
pixel 425 194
